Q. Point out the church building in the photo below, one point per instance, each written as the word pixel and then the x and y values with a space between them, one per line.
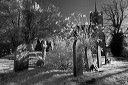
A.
pixel 96 17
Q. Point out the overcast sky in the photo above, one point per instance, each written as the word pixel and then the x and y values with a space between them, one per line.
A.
pixel 69 6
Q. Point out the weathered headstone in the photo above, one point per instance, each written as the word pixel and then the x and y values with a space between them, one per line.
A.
pixel 88 58
pixel 74 58
pixel 108 42
pixel 101 44
pixel 77 58
pixel 21 61
pixel 44 46
pixel 99 57
pixel 38 46
pixel 49 47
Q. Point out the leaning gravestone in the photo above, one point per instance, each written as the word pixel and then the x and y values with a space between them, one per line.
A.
pixel 88 58
pixel 21 61
pixel 77 58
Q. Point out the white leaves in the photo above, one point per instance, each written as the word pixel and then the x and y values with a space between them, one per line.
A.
pixel 37 7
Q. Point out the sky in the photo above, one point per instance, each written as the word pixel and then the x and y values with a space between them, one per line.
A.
pixel 69 6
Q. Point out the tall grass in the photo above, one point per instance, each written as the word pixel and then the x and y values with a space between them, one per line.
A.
pixel 61 56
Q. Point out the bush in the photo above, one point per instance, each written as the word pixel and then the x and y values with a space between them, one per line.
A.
pixel 125 52
pixel 116 45
pixel 125 48
pixel 40 63
pixel 60 57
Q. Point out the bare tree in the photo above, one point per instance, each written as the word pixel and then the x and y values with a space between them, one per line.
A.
pixel 115 13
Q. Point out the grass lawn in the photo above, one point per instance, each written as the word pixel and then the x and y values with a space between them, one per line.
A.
pixel 114 73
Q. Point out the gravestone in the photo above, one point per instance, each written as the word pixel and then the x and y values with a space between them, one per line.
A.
pixel 102 44
pixel 49 47
pixel 21 61
pixel 44 46
pixel 74 58
pixel 88 58
pixel 99 63
pixel 38 46
pixel 77 58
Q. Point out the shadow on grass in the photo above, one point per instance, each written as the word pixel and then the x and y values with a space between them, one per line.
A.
pixel 17 76
pixel 33 76
pixel 121 59
pixel 112 74
pixel 47 78
pixel 108 75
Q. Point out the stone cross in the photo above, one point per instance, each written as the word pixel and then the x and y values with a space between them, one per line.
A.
pixel 44 51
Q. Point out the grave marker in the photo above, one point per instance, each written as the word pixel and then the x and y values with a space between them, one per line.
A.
pixel 38 46
pixel 21 61
pixel 102 44
pixel 77 59
pixel 88 58
pixel 99 56
pixel 44 46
